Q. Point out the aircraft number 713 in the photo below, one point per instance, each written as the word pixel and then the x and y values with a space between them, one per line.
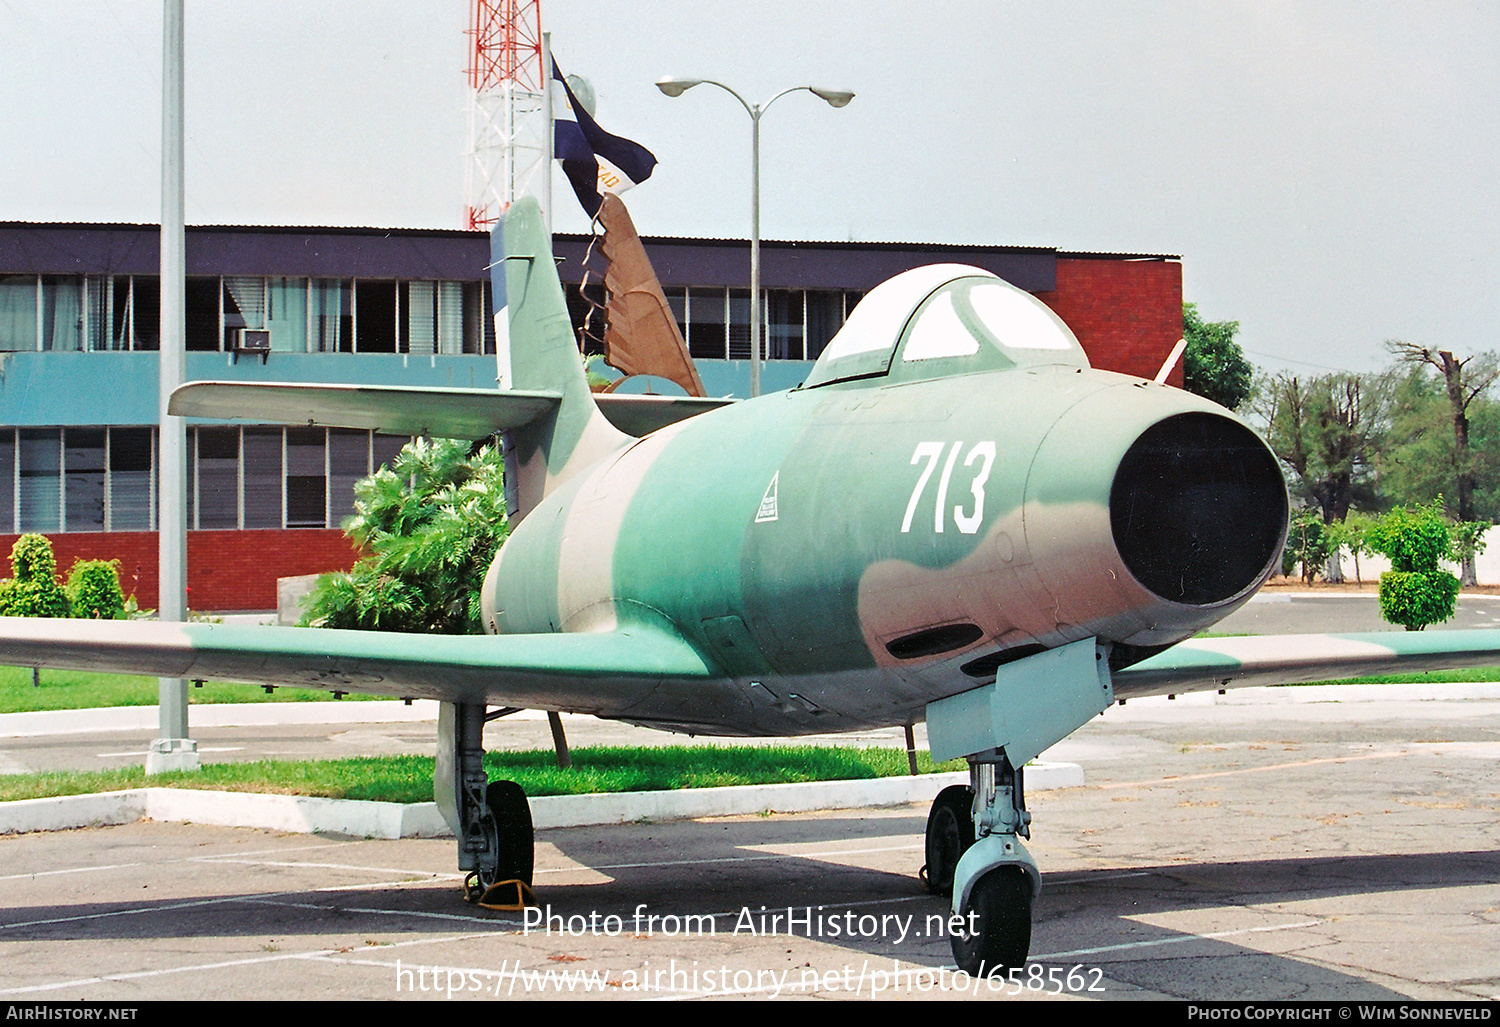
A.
pixel 968 523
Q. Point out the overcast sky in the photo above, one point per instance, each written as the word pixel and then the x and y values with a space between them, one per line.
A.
pixel 1326 170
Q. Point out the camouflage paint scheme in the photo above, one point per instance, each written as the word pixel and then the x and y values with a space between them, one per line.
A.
pixel 945 493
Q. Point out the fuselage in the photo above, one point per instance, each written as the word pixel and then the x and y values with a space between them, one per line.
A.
pixel 848 552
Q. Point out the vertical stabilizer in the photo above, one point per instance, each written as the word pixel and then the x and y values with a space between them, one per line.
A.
pixel 539 354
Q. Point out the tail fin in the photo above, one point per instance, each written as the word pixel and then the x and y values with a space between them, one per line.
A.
pixel 539 353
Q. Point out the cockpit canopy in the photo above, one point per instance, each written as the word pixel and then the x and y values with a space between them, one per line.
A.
pixel 941 320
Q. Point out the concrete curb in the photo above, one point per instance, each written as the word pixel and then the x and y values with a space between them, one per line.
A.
pixel 299 814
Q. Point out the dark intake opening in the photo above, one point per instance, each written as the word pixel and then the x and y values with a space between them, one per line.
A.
pixel 931 641
pixel 1198 508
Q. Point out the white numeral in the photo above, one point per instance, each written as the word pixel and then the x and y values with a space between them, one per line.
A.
pixel 968 523
pixel 931 450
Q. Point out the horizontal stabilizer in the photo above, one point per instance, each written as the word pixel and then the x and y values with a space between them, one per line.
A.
pixel 603 673
pixel 390 409
pixel 1212 663
pixel 407 410
pixel 641 415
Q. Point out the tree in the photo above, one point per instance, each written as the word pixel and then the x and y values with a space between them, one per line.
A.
pixel 1463 382
pixel 1351 536
pixel 1307 544
pixel 1327 429
pixel 1213 365
pixel 430 525
pixel 1416 591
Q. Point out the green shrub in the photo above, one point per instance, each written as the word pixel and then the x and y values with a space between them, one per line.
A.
pixel 94 589
pixel 1415 599
pixel 34 591
pixel 1415 592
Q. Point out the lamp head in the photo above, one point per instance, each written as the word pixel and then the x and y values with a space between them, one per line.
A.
pixel 834 97
pixel 678 86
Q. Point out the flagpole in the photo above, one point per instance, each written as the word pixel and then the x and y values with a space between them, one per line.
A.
pixel 550 144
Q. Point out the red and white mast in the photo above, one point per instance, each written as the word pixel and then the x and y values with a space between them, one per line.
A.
pixel 509 149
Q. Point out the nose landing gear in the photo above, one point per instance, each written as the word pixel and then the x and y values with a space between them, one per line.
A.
pixel 974 855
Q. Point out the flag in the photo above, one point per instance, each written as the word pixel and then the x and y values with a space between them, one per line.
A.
pixel 594 161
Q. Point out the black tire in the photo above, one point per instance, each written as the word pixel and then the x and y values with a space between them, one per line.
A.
pixel 515 841
pixel 950 832
pixel 999 906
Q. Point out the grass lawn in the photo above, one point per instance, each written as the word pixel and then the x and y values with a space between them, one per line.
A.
pixel 600 769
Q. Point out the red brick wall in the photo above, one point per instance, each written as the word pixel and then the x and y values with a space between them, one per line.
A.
pixel 227 570
pixel 1126 313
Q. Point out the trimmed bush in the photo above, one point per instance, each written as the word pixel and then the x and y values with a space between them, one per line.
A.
pixel 94 589
pixel 34 591
pixel 1416 592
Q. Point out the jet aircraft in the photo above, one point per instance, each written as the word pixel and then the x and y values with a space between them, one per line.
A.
pixel 953 519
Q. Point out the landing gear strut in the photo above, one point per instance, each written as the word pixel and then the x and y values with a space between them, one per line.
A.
pixel 491 820
pixel 1033 702
pixel 996 880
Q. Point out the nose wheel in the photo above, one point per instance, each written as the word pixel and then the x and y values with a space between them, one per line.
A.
pixel 950 832
pixel 997 924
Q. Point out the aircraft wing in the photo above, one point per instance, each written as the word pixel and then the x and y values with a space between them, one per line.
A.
pixel 603 673
pixel 1213 663
pixel 406 410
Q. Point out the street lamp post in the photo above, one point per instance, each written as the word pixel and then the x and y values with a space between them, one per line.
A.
pixel 834 98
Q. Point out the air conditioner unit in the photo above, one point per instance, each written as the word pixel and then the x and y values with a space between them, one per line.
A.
pixel 252 340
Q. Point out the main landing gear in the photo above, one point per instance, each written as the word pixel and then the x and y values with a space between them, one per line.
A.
pixel 974 856
pixel 491 820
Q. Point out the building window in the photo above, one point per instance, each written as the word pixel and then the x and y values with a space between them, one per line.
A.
pixel 375 317
pixel 286 314
pixel 261 477
pixel 784 325
pixel 320 315
pixel 76 479
pixel 62 312
pixel 215 478
pixel 145 312
pixel 306 478
pixel 104 479
pixel 7 479
pixel 715 322
pixel 257 477
pixel 39 489
pixel 18 310
pixel 84 480
pixel 131 499
pixel 202 316
pixel 330 303
pixel 244 306
pixel 348 462
pixel 707 325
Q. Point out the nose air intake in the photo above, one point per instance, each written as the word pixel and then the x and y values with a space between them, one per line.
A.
pixel 1198 509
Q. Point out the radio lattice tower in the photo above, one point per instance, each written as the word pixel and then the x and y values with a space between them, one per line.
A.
pixel 508 148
